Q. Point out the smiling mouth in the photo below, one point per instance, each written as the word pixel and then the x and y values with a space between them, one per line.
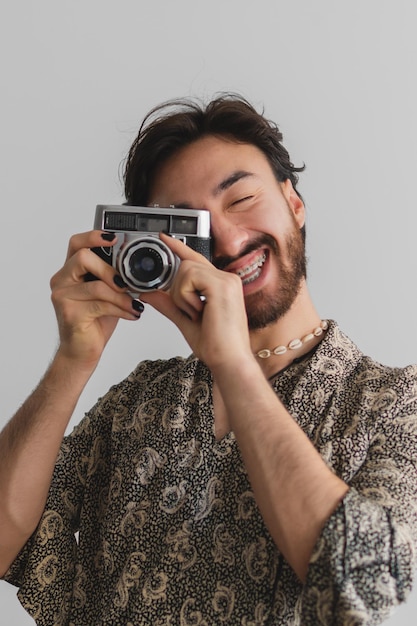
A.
pixel 251 272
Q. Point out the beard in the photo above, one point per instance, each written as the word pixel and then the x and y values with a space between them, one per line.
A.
pixel 264 308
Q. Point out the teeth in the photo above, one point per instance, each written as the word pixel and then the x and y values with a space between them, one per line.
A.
pixel 246 281
pixel 251 268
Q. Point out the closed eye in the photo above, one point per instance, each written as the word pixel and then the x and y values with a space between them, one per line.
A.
pixel 242 200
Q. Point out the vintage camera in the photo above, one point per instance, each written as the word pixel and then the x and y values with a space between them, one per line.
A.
pixel 143 261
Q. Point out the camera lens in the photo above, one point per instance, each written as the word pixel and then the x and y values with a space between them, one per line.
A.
pixel 145 265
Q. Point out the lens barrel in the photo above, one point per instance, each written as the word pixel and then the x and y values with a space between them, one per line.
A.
pixel 147 264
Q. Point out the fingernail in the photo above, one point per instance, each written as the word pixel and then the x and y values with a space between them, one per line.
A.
pixel 138 306
pixel 118 280
pixel 108 236
pixel 166 233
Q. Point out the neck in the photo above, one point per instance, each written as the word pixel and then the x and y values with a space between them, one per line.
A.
pixel 298 322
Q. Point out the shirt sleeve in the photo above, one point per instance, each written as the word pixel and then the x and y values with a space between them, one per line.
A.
pixel 364 561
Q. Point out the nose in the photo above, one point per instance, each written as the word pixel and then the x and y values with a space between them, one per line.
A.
pixel 228 237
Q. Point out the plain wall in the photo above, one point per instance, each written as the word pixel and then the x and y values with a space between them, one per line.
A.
pixel 77 78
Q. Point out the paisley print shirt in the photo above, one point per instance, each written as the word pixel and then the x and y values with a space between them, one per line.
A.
pixel 152 522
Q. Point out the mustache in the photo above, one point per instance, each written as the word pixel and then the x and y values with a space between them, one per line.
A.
pixel 220 262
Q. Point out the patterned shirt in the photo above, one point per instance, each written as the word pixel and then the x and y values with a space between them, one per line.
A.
pixel 168 529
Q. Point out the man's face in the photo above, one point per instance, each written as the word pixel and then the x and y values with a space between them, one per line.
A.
pixel 255 220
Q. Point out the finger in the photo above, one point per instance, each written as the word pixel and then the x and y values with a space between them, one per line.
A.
pixel 163 303
pixel 195 280
pixel 182 250
pixel 75 313
pixel 90 239
pixel 188 287
pixel 96 300
pixel 85 263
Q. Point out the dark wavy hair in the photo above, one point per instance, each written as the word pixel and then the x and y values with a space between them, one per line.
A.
pixel 177 123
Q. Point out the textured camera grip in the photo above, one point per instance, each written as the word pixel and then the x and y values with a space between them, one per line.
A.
pixel 203 246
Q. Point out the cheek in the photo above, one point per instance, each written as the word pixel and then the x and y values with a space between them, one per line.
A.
pixel 271 225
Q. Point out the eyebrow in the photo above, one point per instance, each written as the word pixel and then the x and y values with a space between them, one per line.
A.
pixel 231 180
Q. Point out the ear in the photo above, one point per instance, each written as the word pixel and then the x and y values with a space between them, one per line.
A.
pixel 294 202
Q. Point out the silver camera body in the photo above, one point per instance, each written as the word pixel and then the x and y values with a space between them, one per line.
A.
pixel 144 261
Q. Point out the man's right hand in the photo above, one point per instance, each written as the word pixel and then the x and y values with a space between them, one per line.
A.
pixel 87 314
pixel 88 311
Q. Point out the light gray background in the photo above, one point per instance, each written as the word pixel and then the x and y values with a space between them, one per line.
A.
pixel 77 76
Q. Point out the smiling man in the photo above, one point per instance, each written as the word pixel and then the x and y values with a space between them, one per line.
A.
pixel 255 220
pixel 270 477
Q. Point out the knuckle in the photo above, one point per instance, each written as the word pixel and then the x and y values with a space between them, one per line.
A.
pixel 95 308
pixel 54 297
pixel 237 281
pixel 53 281
pixel 83 255
pixel 185 267
pixel 73 245
pixel 72 241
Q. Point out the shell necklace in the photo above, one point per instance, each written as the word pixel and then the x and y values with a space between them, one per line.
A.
pixel 295 344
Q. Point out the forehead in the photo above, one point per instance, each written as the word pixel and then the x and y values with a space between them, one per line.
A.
pixel 203 164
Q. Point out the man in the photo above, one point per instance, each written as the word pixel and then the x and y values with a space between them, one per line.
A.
pixel 267 479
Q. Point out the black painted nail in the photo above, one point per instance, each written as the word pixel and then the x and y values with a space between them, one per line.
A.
pixel 138 306
pixel 108 236
pixel 118 280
